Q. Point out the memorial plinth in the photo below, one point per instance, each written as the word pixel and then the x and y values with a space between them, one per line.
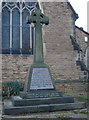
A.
pixel 41 95
pixel 40 79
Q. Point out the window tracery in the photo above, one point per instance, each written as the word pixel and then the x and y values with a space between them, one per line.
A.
pixel 17 36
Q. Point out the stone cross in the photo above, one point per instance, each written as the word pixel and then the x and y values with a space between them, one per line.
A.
pixel 38 19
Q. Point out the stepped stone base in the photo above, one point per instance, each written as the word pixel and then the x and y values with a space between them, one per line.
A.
pixel 13 110
pixel 31 102
pixel 40 94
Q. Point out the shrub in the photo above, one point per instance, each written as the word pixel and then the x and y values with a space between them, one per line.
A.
pixel 11 88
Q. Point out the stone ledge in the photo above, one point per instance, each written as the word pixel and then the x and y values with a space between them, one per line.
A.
pixel 17 101
pixel 40 94
pixel 9 109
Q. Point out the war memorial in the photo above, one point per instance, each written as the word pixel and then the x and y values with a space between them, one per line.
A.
pixel 41 94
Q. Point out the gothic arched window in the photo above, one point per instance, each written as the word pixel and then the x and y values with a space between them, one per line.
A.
pixel 6 30
pixel 17 36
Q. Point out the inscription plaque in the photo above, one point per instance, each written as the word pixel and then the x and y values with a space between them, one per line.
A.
pixel 41 79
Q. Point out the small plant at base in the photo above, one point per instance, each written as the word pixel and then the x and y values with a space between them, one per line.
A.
pixel 11 88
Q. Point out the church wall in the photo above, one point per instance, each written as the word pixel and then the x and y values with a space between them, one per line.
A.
pixel 60 54
pixel 74 89
pixel 80 37
pixel 15 67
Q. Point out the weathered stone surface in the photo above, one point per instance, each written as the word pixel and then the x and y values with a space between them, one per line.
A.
pixel 41 79
pixel 17 101
pixel 40 94
pixel 12 110
pixel 80 36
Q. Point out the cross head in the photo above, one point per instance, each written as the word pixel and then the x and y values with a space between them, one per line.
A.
pixel 37 18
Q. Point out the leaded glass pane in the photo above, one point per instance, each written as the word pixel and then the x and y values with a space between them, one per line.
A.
pixel 6 30
pixel 16 31
pixel 26 31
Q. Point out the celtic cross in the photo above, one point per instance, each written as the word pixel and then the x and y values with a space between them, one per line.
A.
pixel 38 19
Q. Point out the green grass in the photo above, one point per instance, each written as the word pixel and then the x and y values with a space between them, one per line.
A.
pixel 82 112
pixel 83 98
pixel 64 117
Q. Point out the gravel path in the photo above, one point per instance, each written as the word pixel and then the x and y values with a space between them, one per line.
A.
pixel 73 114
